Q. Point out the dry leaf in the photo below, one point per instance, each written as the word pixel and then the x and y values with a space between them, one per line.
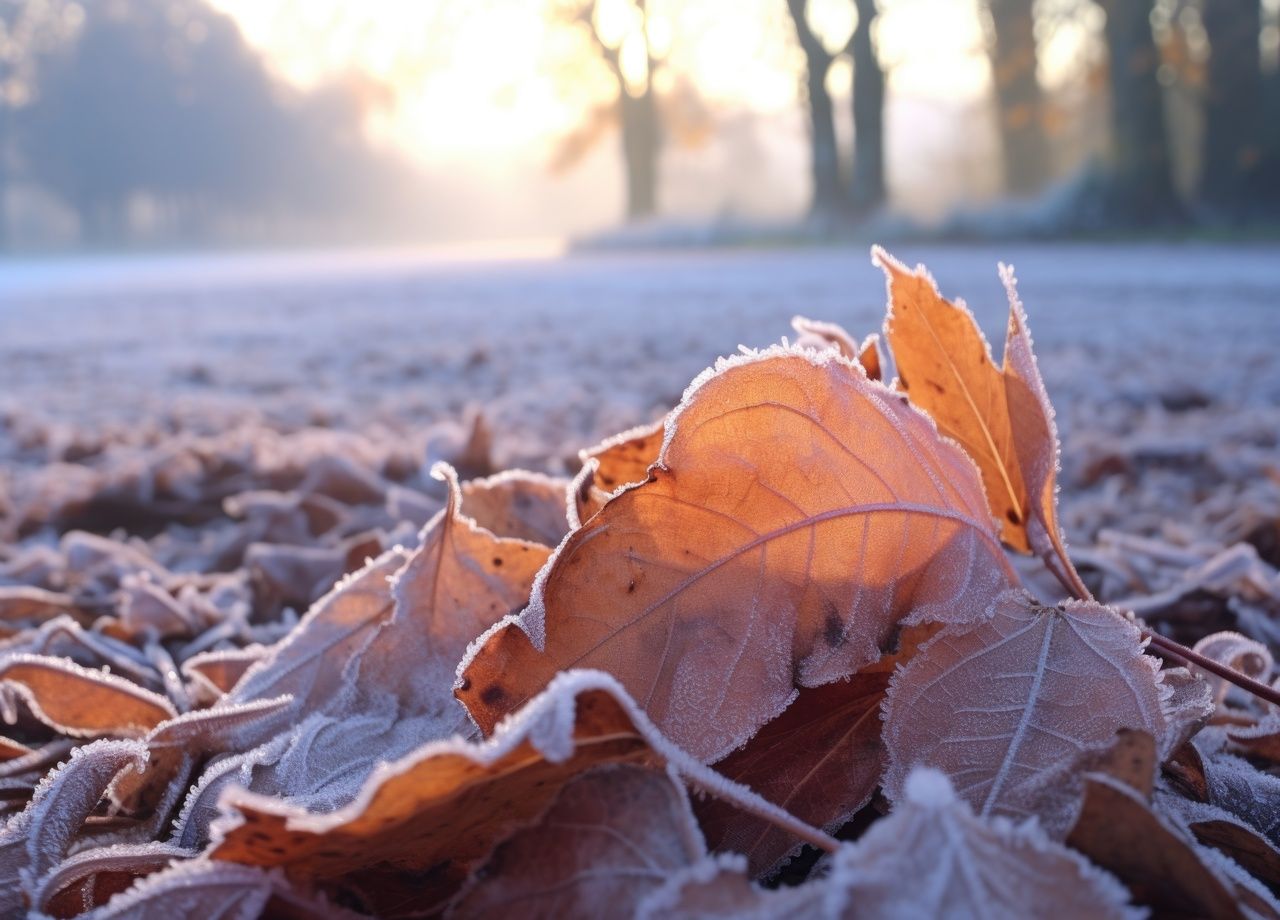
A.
pixel 421 824
pixel 780 541
pixel 813 333
pixel 821 760
pixel 610 837
pixel 80 702
pixel 619 461
pixel 1119 832
pixel 91 877
pixel 525 506
pixel 1240 653
pixel 37 839
pixel 1001 416
pixel 1005 707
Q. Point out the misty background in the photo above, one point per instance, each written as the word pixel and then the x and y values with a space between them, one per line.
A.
pixel 140 124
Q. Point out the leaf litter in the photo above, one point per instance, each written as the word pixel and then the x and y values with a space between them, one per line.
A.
pixel 774 654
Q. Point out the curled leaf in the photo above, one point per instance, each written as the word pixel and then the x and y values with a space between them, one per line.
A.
pixel 813 333
pixel 81 702
pixel 1240 653
pixel 518 504
pixel 798 516
pixel 618 461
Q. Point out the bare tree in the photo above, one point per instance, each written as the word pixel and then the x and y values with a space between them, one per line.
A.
pixel 634 109
pixel 824 155
pixel 867 190
pixel 1019 98
pixel 1234 155
pixel 1140 187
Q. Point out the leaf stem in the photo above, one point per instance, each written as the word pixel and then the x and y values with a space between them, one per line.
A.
pixel 1174 649
pixel 721 787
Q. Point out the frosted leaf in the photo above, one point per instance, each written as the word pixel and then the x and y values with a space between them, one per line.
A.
pixel 81 702
pixel 22 605
pixel 813 333
pixel 200 809
pixel 520 505
pixel 1240 653
pixel 145 607
pixel 618 461
pixel 37 839
pixel 717 888
pixel 1187 709
pixel 610 837
pixel 1245 791
pixel 821 760
pixel 1225 832
pixel 90 877
pixel 214 673
pixel 1119 832
pixel 173 744
pixel 447 803
pixel 1006 706
pixel 1000 415
pixel 799 514
pixel 195 888
pixel 309 663
pixel 932 857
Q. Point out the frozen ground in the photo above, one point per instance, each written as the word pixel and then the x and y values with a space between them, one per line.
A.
pixel 558 352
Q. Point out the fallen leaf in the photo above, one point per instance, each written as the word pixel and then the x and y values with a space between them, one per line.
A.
pixel 1119 832
pixel 91 877
pixel 1240 653
pixel 1006 706
pixel 80 702
pixel 518 504
pixel 779 542
pixel 813 333
pixel 420 825
pixel 1001 416
pixel 610 837
pixel 619 461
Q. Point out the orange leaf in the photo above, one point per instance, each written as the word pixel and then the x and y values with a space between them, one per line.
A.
pixel 615 462
pixel 81 702
pixel 799 514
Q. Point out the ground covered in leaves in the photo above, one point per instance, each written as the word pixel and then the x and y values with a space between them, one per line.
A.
pixel 280 635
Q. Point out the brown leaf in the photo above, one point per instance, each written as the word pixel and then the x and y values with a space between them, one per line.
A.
pixel 798 515
pixel 80 702
pixel 91 877
pixel 521 505
pixel 821 760
pixel 616 462
pixel 1007 705
pixel 1251 850
pixel 812 333
pixel 216 672
pixel 1131 759
pixel 611 836
pixel 422 823
pixel 1119 832
pixel 1001 416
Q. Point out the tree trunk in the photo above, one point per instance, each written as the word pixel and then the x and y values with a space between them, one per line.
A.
pixel 1018 96
pixel 867 190
pixel 824 156
pixel 641 142
pixel 1140 186
pixel 1234 114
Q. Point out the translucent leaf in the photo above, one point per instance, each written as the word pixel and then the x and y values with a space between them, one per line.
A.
pixel 37 839
pixel 619 461
pixel 1006 706
pixel 80 702
pixel 799 514
pixel 444 806
pixel 610 837
pixel 1001 416
pixel 521 505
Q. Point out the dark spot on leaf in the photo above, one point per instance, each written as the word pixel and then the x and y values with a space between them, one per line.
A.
pixel 497 562
pixel 833 626
pixel 1013 516
pixel 493 695
pixel 465 684
pixel 631 587
pixel 937 387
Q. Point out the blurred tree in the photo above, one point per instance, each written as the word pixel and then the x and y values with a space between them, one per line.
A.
pixel 623 42
pixel 1140 186
pixel 827 188
pixel 1019 99
pixel 1237 175
pixel 163 100
pixel 866 188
